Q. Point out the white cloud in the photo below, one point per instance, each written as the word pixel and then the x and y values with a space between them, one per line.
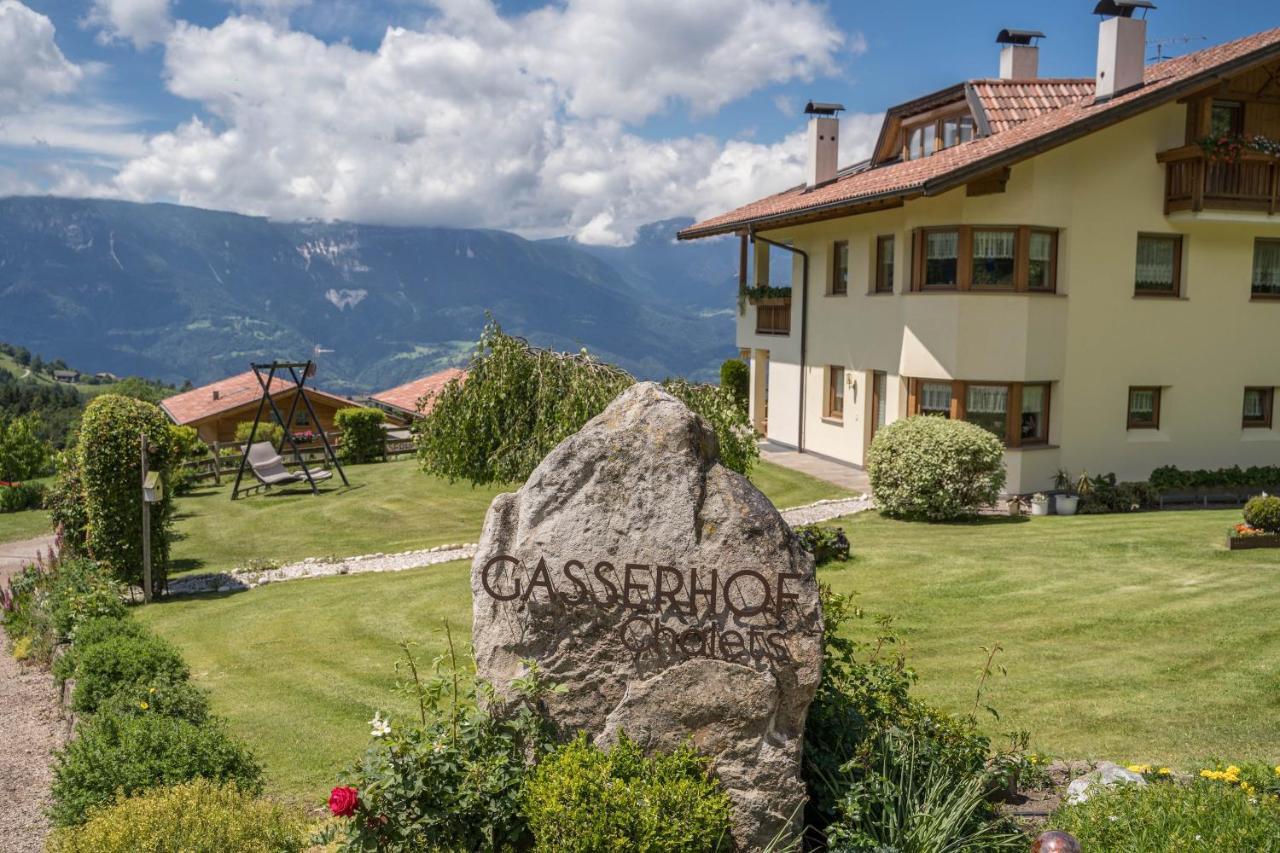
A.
pixel 525 123
pixel 103 130
pixel 32 67
pixel 143 22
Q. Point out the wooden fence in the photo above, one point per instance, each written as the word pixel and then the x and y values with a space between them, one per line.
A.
pixel 223 458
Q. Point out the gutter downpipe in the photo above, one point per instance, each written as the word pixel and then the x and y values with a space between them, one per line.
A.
pixel 804 321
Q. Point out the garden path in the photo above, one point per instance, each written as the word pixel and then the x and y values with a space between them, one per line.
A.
pixel 15 555
pixel 845 476
pixel 29 720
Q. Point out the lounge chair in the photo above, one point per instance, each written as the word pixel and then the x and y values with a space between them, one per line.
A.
pixel 268 467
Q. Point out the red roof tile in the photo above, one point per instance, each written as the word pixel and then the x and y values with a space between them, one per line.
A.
pixel 1008 103
pixel 406 397
pixel 231 393
pixel 954 166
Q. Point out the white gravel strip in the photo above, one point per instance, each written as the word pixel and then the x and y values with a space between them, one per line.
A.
pixel 318 567
pixel 827 510
pixel 29 732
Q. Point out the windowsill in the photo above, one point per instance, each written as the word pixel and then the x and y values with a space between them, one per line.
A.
pixel 1259 434
pixel 1168 297
pixel 827 419
pixel 833 293
pixel 773 334
pixel 1030 447
pixel 986 292
pixel 1264 297
pixel 880 293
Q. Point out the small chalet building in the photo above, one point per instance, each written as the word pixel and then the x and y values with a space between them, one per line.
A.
pixel 1061 261
pixel 403 401
pixel 215 410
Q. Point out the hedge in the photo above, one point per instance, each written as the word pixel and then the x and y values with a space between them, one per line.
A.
pixel 1170 478
pixel 109 459
pixel 363 439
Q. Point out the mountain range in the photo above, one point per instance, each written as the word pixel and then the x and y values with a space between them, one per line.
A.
pixel 176 293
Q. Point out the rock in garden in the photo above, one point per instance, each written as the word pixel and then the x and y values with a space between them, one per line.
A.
pixel 666 596
pixel 1104 775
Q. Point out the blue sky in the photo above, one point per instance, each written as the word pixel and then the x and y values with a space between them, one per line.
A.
pixel 589 117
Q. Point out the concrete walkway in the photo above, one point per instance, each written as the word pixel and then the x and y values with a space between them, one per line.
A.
pixel 845 476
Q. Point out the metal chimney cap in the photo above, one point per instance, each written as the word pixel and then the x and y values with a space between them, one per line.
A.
pixel 1020 37
pixel 817 108
pixel 1121 8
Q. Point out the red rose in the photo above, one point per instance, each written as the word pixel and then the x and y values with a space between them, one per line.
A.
pixel 343 801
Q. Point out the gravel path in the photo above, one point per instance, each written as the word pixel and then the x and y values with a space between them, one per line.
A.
pixel 826 510
pixel 15 555
pixel 29 732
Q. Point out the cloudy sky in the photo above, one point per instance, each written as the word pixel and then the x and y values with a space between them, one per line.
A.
pixel 586 117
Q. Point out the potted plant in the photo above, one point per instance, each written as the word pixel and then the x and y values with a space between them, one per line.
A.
pixel 1067 501
pixel 1015 506
pixel 1039 504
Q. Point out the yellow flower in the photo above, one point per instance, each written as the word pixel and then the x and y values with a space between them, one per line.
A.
pixel 143 705
pixel 1246 787
pixel 152 690
pixel 1165 771
pixel 1278 769
pixel 1139 768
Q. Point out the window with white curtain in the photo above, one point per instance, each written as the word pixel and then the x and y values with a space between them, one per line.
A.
pixel 1257 407
pixel 1040 272
pixel 935 398
pixel 1034 422
pixel 1144 408
pixel 988 407
pixel 1266 268
pixel 942 248
pixel 993 253
pixel 1159 261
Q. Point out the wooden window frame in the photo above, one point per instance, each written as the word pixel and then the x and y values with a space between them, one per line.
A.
pixel 877 399
pixel 878 284
pixel 835 287
pixel 829 395
pixel 964 259
pixel 937 120
pixel 1237 127
pixel 1178 246
pixel 1253 294
pixel 1268 408
pixel 1013 414
pixel 774 309
pixel 1130 423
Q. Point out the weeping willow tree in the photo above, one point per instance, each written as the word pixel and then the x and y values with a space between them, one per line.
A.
pixel 517 402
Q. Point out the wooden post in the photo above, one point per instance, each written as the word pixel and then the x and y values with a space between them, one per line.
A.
pixel 146 529
pixel 217 464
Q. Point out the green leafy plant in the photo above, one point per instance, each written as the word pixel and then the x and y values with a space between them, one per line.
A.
pixel 826 544
pixel 266 431
pixel 518 402
pixel 1105 495
pixel 65 502
pixel 935 469
pixel 47 602
pixel 194 817
pixel 451 779
pixel 163 696
pixel 109 459
pixel 114 755
pixel 912 804
pixel 363 439
pixel 23 453
pixel 16 497
pixel 1172 818
pixel 1170 478
pixel 1263 513
pixel 187 447
pixel 735 376
pixel 587 799
pixel 122 662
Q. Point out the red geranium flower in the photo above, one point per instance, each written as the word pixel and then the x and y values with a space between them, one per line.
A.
pixel 343 801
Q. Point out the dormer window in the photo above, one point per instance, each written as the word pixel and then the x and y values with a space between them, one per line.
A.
pixel 935 133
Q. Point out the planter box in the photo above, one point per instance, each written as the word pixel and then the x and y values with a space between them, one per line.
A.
pixel 1245 543
pixel 770 300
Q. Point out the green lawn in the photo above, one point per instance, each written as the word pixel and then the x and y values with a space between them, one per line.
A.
pixel 24 525
pixel 1127 637
pixel 390 507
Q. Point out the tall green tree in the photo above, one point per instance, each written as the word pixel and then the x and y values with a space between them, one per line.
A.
pixel 517 402
pixel 23 453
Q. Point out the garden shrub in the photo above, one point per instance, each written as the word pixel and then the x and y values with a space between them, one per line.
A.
pixel 193 817
pixel 110 469
pixel 99 629
pixel 735 377
pixel 50 602
pixel 587 799
pixel 115 754
pixel 1170 478
pixel 824 543
pixel 187 447
pixel 267 431
pixel 933 468
pixel 363 439
pixel 1105 495
pixel 1263 513
pixel 451 779
pixel 735 436
pixel 1169 817
pixel 21 496
pixel 122 663
pixel 23 453
pixel 908 802
pixel 164 696
pixel 65 502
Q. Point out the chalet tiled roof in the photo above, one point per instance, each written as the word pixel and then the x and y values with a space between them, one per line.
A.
pixel 405 397
pixel 230 393
pixel 952 167
pixel 1008 103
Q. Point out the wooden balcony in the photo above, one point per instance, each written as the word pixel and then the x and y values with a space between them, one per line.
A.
pixel 1193 181
pixel 773 316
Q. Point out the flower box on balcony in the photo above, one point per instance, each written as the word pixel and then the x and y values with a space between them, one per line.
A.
pixel 769 295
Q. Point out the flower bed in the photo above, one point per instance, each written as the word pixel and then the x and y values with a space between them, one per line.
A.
pixel 1242 537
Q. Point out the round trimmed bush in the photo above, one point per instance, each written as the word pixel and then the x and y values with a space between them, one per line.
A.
pixel 1263 513
pixel 932 468
pixel 120 663
pixel 194 817
pixel 363 439
pixel 117 755
pixel 583 798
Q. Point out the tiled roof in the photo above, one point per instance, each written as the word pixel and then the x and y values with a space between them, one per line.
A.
pixel 1008 103
pixel 405 397
pixel 954 166
pixel 232 393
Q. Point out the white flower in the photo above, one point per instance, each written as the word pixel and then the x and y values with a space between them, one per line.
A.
pixel 1112 818
pixel 378 726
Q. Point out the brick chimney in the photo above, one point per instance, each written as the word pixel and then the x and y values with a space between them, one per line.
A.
pixel 824 143
pixel 1019 54
pixel 217 395
pixel 1122 46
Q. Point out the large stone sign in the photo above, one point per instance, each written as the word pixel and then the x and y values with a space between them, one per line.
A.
pixel 668 597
